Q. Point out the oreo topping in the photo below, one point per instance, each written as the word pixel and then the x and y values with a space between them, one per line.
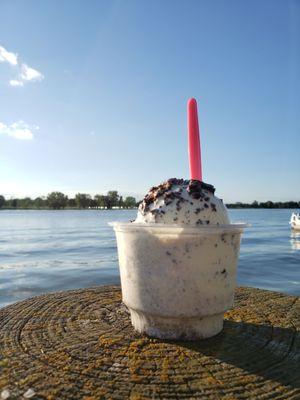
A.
pixel 195 188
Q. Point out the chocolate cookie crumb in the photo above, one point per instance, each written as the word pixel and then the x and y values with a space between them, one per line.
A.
pixel 213 207
pixel 224 272
pixel 195 188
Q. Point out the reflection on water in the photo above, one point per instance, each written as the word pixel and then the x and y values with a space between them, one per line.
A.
pixel 295 239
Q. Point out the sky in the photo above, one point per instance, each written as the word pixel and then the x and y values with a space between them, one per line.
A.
pixel 93 95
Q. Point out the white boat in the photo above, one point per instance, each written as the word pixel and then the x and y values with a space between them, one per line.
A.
pixel 295 221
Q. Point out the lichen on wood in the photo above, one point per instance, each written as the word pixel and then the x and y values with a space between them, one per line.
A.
pixel 80 345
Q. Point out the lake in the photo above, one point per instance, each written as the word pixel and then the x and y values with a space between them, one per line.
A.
pixel 45 251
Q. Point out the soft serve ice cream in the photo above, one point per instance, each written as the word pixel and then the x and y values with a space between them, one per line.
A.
pixel 178 258
pixel 179 201
pixel 178 261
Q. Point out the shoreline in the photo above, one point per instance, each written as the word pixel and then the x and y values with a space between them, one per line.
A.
pixel 67 209
pixel 134 208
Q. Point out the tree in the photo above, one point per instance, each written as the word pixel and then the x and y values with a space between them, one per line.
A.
pixel 39 202
pixel 267 204
pixel 82 200
pixel 113 199
pixel 13 203
pixel 71 203
pixel 93 203
pixel 100 200
pixel 121 202
pixel 57 200
pixel 130 202
pixel 2 201
pixel 26 202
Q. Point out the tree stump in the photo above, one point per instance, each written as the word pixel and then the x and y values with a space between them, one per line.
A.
pixel 80 345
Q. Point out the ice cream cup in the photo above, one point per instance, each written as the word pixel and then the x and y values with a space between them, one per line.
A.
pixel 178 280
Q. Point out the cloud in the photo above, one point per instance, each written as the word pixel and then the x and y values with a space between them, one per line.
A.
pixel 24 72
pixel 30 74
pixel 6 56
pixel 18 130
pixel 15 82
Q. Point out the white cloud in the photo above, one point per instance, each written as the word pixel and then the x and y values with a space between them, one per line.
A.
pixel 24 72
pixel 15 82
pixel 30 74
pixel 17 130
pixel 6 56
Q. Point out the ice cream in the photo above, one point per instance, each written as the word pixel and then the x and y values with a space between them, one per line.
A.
pixel 178 258
pixel 178 261
pixel 179 201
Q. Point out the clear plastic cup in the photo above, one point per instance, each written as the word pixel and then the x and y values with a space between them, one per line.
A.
pixel 178 280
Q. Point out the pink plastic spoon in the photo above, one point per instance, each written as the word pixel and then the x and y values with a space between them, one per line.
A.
pixel 194 141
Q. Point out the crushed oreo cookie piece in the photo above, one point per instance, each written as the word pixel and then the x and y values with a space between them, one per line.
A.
pixel 198 186
pixel 195 188
pixel 213 207
pixel 195 195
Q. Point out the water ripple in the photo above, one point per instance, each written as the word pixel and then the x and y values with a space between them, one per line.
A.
pixel 43 251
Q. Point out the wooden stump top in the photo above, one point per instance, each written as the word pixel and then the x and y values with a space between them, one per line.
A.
pixel 80 345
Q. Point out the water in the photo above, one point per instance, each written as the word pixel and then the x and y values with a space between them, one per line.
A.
pixel 44 251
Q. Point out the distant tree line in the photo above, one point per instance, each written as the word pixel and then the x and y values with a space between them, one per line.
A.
pixel 58 201
pixel 266 204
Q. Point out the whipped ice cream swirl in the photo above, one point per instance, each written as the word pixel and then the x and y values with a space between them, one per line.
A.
pixel 179 201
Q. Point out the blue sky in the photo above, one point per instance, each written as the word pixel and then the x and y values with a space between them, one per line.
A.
pixel 93 95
